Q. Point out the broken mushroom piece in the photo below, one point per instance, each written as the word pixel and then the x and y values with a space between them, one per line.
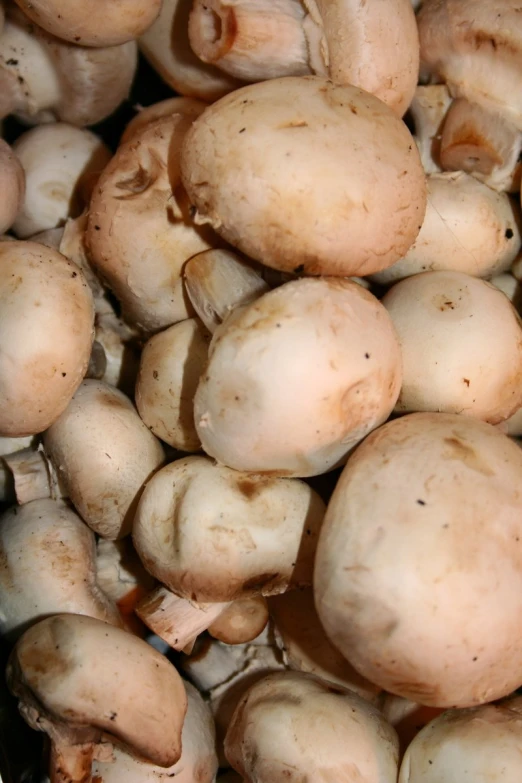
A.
pixel 461 344
pixel 293 721
pixel 91 22
pixel 48 567
pixel 274 209
pixel 481 744
pixel 12 186
pixel 103 454
pixel 46 334
pixel 418 571
pixel 99 684
pixel 296 379
pixel 428 110
pixel 55 157
pixel 371 45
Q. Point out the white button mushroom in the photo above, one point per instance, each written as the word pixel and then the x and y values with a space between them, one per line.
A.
pixel 274 207
pixel 46 334
pixel 461 344
pixel 298 378
pixel 418 572
pixel 12 186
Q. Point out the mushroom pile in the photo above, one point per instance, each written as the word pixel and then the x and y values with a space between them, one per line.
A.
pixel 261 391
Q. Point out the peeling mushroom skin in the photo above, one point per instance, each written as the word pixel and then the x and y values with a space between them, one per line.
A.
pixel 293 727
pixel 48 567
pixel 274 208
pixel 103 454
pixel 91 22
pixel 297 378
pixel 418 571
pixel 12 186
pixel 46 334
pixel 461 344
pixel 482 744
pixel 211 534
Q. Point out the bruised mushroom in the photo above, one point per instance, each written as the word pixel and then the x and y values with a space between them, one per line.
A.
pixel 418 572
pixel 274 208
pixel 12 186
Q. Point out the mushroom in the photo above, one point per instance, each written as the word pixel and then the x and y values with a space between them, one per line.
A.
pixel 296 379
pixel 482 744
pixel 197 764
pixel 468 227
pixel 12 186
pixel 418 571
pixel 48 567
pixel 367 44
pixel 88 684
pixel 140 232
pixel 44 79
pixel 166 46
pixel 461 343
pixel 103 454
pixel 428 110
pixel 241 622
pixel 93 23
pixel 293 722
pixel 273 207
pixel 8 447
pixel 189 107
pixel 46 334
pixel 55 157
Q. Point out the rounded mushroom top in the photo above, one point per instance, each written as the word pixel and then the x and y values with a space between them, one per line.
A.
pixel 338 190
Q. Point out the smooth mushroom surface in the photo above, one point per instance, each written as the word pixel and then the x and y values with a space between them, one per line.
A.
pixel 297 378
pixel 418 571
pixel 12 186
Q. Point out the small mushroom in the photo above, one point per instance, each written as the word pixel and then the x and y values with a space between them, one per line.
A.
pixel 241 622
pixel 85 683
pixel 12 186
pixel 46 334
pixel 461 343
pixel 48 567
pixel 291 721
pixel 274 207
pixel 103 454
pixel 418 571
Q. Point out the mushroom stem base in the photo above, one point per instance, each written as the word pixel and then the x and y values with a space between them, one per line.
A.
pixel 71 763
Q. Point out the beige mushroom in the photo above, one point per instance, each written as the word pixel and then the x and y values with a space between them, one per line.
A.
pixel 294 722
pixel 85 683
pixel 103 454
pixel 242 621
pixel 190 107
pixel 48 567
pixel 91 22
pixel 371 45
pixel 418 572
pixel 46 333
pixel 273 208
pixel 461 343
pixel 12 186
pixel 298 378
pixel 428 110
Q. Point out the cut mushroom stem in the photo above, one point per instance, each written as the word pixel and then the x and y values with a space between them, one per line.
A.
pixel 483 144
pixel 31 473
pixel 70 763
pixel 251 39
pixel 428 110
pixel 218 281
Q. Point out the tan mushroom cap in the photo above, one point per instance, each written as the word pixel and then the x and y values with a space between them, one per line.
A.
pixel 213 534
pixel 91 22
pixel 101 679
pixel 297 378
pixel 338 190
pixel 418 572
pixel 294 722
pixel 103 454
pixel 12 186
pixel 46 333
pixel 242 621
pixel 48 567
pixel 178 105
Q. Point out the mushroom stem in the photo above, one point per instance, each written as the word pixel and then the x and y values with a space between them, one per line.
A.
pixel 250 39
pixel 428 110
pixel 176 620
pixel 70 763
pixel 32 475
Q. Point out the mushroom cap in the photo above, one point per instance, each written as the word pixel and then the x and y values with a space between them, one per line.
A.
pixel 213 534
pixel 91 22
pixel 338 190
pixel 297 378
pixel 482 744
pixel 48 567
pixel 293 722
pixel 103 454
pixel 46 334
pixel 241 621
pixel 190 107
pixel 82 673
pixel 418 571
pixel 12 186
pixel 461 343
